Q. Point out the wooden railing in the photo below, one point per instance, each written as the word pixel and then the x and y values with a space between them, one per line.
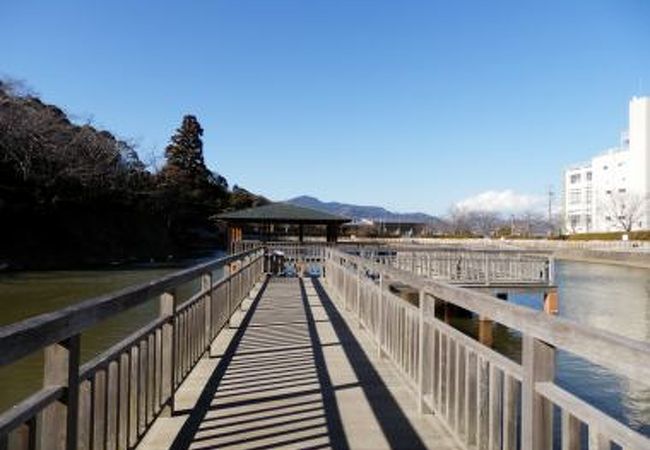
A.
pixel 518 244
pixel 475 267
pixel 110 402
pixel 452 265
pixel 293 251
pixel 486 400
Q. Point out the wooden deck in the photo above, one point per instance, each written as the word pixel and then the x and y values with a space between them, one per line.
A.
pixel 295 372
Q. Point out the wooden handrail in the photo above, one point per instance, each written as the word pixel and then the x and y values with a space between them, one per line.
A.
pixel 25 410
pixel 115 397
pixel 618 353
pixel 22 338
pixel 482 397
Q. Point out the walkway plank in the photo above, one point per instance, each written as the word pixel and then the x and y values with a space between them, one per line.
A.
pixel 298 374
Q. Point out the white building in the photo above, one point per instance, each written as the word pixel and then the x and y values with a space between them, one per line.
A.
pixel 612 190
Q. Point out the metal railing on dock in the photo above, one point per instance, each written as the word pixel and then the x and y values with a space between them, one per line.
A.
pixel 111 401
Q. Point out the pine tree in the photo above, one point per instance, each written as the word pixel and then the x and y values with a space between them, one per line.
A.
pixel 185 167
pixel 191 193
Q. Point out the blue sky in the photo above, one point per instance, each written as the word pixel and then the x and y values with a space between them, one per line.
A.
pixel 413 105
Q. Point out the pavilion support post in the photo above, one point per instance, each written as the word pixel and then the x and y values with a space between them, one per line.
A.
pixel 551 302
pixel 230 238
pixel 332 232
pixel 485 331
pixel 301 233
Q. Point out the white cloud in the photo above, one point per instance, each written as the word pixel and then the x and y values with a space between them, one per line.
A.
pixel 506 201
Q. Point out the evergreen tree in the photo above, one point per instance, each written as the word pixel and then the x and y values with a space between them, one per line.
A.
pixel 191 192
pixel 185 167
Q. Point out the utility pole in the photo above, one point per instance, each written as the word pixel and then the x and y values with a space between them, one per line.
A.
pixel 551 194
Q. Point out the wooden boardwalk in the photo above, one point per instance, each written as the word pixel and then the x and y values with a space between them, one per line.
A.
pixel 254 362
pixel 295 373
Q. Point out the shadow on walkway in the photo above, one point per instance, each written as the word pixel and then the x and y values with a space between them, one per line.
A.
pixel 396 427
pixel 273 386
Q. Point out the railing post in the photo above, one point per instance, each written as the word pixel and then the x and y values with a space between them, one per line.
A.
pixel 345 286
pixel 229 286
pixel 240 284
pixel 380 328
pixel 167 308
pixel 358 294
pixel 206 284
pixel 487 268
pixel 421 352
pixel 59 421
pixel 538 361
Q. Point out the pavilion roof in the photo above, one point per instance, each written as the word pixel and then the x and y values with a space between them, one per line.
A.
pixel 281 212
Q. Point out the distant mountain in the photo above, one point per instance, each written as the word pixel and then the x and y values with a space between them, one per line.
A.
pixel 358 212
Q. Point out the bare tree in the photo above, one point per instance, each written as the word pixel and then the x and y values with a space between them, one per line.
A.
pixel 531 223
pixel 484 222
pixel 458 220
pixel 624 209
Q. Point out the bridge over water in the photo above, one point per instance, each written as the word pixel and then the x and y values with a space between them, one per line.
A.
pixel 336 361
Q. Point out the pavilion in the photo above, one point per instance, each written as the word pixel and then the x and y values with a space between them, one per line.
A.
pixel 268 216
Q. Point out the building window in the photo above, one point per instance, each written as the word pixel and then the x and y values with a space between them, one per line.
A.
pixel 574 219
pixel 574 196
pixel 608 192
pixel 588 176
pixel 588 195
pixel 604 167
pixel 608 218
pixel 622 191
pixel 575 178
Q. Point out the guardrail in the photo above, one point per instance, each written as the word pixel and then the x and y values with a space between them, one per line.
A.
pixel 110 402
pixel 540 244
pixel 486 400
pixel 475 267
pixel 450 264
pixel 292 251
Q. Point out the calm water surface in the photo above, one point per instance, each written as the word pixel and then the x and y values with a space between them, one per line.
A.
pixel 617 299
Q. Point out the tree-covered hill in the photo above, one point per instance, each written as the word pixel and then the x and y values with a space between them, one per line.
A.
pixel 72 194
